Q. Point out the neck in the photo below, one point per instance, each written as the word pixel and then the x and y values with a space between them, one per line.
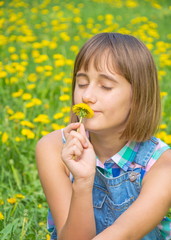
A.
pixel 105 146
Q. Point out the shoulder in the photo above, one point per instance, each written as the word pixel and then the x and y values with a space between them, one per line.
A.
pixel 48 150
pixel 159 174
pixel 54 138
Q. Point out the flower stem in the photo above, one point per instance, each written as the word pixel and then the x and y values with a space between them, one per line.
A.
pixel 81 118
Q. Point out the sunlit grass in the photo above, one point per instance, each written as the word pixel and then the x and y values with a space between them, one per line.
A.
pixel 38 43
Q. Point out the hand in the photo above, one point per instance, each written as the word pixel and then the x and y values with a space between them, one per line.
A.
pixel 78 153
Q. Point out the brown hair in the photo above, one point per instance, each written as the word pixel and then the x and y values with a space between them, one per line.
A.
pixel 131 59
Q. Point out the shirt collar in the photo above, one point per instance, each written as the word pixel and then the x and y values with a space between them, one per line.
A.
pixel 124 157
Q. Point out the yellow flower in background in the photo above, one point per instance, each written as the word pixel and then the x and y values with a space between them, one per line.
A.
pixel 26 96
pixel 9 110
pixel 68 80
pixel 1 216
pixel 28 133
pixel 163 126
pixel 18 139
pixel 11 200
pixel 17 94
pixel 39 69
pixel 1 202
pixel 167 139
pixel 17 115
pixel 14 57
pixel 82 110
pixel 14 80
pixel 56 126
pixel 66 119
pixel 3 74
pixel 19 195
pixel 58 115
pixel 31 86
pixel 163 94
pixel 11 49
pixel 34 102
pixel 4 137
pixel 28 124
pixel 65 109
pixel 44 133
pixel 32 77
pixel 42 118
pixel 41 224
pixel 64 97
pixel 48 237
pixel 74 48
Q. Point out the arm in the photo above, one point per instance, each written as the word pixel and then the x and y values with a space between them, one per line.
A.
pixel 149 208
pixel 70 204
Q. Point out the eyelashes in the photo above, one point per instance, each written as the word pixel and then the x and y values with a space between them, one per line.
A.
pixel 102 86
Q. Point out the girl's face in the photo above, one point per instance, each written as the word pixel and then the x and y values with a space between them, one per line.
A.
pixel 108 94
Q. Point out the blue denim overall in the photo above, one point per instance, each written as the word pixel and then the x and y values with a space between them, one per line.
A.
pixel 113 196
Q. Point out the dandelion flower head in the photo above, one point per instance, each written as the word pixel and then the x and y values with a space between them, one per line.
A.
pixel 83 110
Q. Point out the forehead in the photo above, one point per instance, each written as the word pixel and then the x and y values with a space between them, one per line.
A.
pixel 102 61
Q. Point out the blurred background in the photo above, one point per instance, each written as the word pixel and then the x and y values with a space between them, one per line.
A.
pixel 38 44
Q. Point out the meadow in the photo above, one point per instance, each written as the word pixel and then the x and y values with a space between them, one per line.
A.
pixel 38 43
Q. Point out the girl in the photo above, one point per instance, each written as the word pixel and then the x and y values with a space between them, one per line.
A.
pixel 111 179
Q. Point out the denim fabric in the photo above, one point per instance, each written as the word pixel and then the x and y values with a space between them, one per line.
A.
pixel 113 196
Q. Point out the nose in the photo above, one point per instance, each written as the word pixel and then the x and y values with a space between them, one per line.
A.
pixel 89 95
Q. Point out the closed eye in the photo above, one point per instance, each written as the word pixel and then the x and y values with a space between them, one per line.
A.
pixel 107 88
pixel 82 85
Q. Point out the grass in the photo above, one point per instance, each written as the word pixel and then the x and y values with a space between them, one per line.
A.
pixel 38 43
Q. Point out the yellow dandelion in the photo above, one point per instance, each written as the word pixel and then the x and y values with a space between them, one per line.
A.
pixel 26 96
pixel 56 126
pixel 11 200
pixel 4 137
pixel 1 216
pixel 44 133
pixel 65 109
pixel 41 224
pixel 17 94
pixel 47 237
pixel 64 97
pixel 58 115
pixel 82 110
pixel 3 74
pixel 17 115
pixel 31 86
pixel 1 202
pixel 43 118
pixel 28 133
pixel 27 123
pixel 66 119
pixel 18 139
pixel 19 195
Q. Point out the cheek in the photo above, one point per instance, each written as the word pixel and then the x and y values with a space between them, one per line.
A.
pixel 77 97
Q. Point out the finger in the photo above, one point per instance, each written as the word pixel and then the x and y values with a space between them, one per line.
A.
pixel 80 137
pixel 70 127
pixel 83 133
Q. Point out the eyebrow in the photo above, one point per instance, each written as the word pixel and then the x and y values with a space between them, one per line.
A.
pixel 81 75
pixel 108 77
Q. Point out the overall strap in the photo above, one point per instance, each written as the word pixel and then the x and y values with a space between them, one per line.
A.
pixel 145 151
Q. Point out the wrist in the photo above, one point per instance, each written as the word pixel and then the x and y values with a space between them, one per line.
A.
pixel 83 184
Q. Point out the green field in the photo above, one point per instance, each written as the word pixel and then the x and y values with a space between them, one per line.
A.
pixel 38 43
